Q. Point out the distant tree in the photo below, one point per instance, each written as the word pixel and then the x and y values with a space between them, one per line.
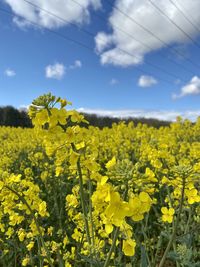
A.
pixel 105 121
pixel 10 116
pixel 25 120
pixel 1 116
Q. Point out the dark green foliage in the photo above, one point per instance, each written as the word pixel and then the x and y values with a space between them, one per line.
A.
pixel 105 121
pixel 10 116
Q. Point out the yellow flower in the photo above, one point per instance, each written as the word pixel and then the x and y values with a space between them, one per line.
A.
pixel 42 209
pixel 156 163
pixel 117 209
pixel 57 116
pixel 129 247
pixel 65 241
pixel 80 145
pixel 1 185
pixel 102 194
pixel 109 228
pixel 50 231
pixel 41 118
pixel 75 116
pixel 150 174
pixel 10 232
pixel 167 214
pixel 67 264
pixel 146 201
pixel 74 158
pixel 21 234
pixel 72 201
pixel 138 205
pixel 111 163
pixel 59 170
pixel 91 165
pixel 192 195
pixel 30 245
pixel 77 235
pixel 25 261
pixel 135 209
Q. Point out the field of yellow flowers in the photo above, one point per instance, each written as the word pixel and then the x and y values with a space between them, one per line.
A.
pixel 81 196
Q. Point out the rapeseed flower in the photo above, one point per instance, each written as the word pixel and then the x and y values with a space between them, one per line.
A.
pixel 129 247
pixel 167 214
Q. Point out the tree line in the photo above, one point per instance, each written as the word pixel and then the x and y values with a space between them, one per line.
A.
pixel 106 121
pixel 10 116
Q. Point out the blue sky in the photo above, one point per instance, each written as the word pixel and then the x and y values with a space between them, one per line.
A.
pixel 116 74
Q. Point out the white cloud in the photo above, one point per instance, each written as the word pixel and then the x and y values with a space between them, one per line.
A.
pixel 114 81
pixel 9 72
pixel 146 81
pixel 65 9
pixel 56 71
pixel 75 65
pixel 177 81
pixel 191 88
pixel 110 45
pixel 166 115
pixel 103 41
pixel 23 107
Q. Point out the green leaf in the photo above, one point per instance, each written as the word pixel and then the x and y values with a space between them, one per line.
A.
pixel 144 257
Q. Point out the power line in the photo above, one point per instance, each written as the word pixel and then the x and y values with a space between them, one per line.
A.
pixel 183 9
pixel 60 18
pixel 152 34
pixel 139 41
pixel 75 41
pixel 184 15
pixel 174 23
pixel 94 35
pixel 49 30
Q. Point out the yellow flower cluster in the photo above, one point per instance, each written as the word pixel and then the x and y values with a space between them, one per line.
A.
pixel 77 196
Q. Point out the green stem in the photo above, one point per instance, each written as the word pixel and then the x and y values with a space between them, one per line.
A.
pixel 158 245
pixel 15 256
pixel 82 202
pixel 90 211
pixel 174 243
pixel 116 233
pixel 196 229
pixel 39 250
pixel 175 226
pixel 188 221
pixel 57 211
pixel 31 257
pixel 82 198
pixel 174 248
pixel 145 243
pixel 36 223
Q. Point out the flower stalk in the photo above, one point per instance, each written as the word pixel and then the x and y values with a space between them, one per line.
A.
pixel 36 223
pixel 173 236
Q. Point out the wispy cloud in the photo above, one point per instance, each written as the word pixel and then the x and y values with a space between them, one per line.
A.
pixel 68 11
pixel 146 81
pixel 111 46
pixel 177 81
pixel 24 107
pixel 75 65
pixel 9 72
pixel 191 88
pixel 114 81
pixel 166 115
pixel 56 71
